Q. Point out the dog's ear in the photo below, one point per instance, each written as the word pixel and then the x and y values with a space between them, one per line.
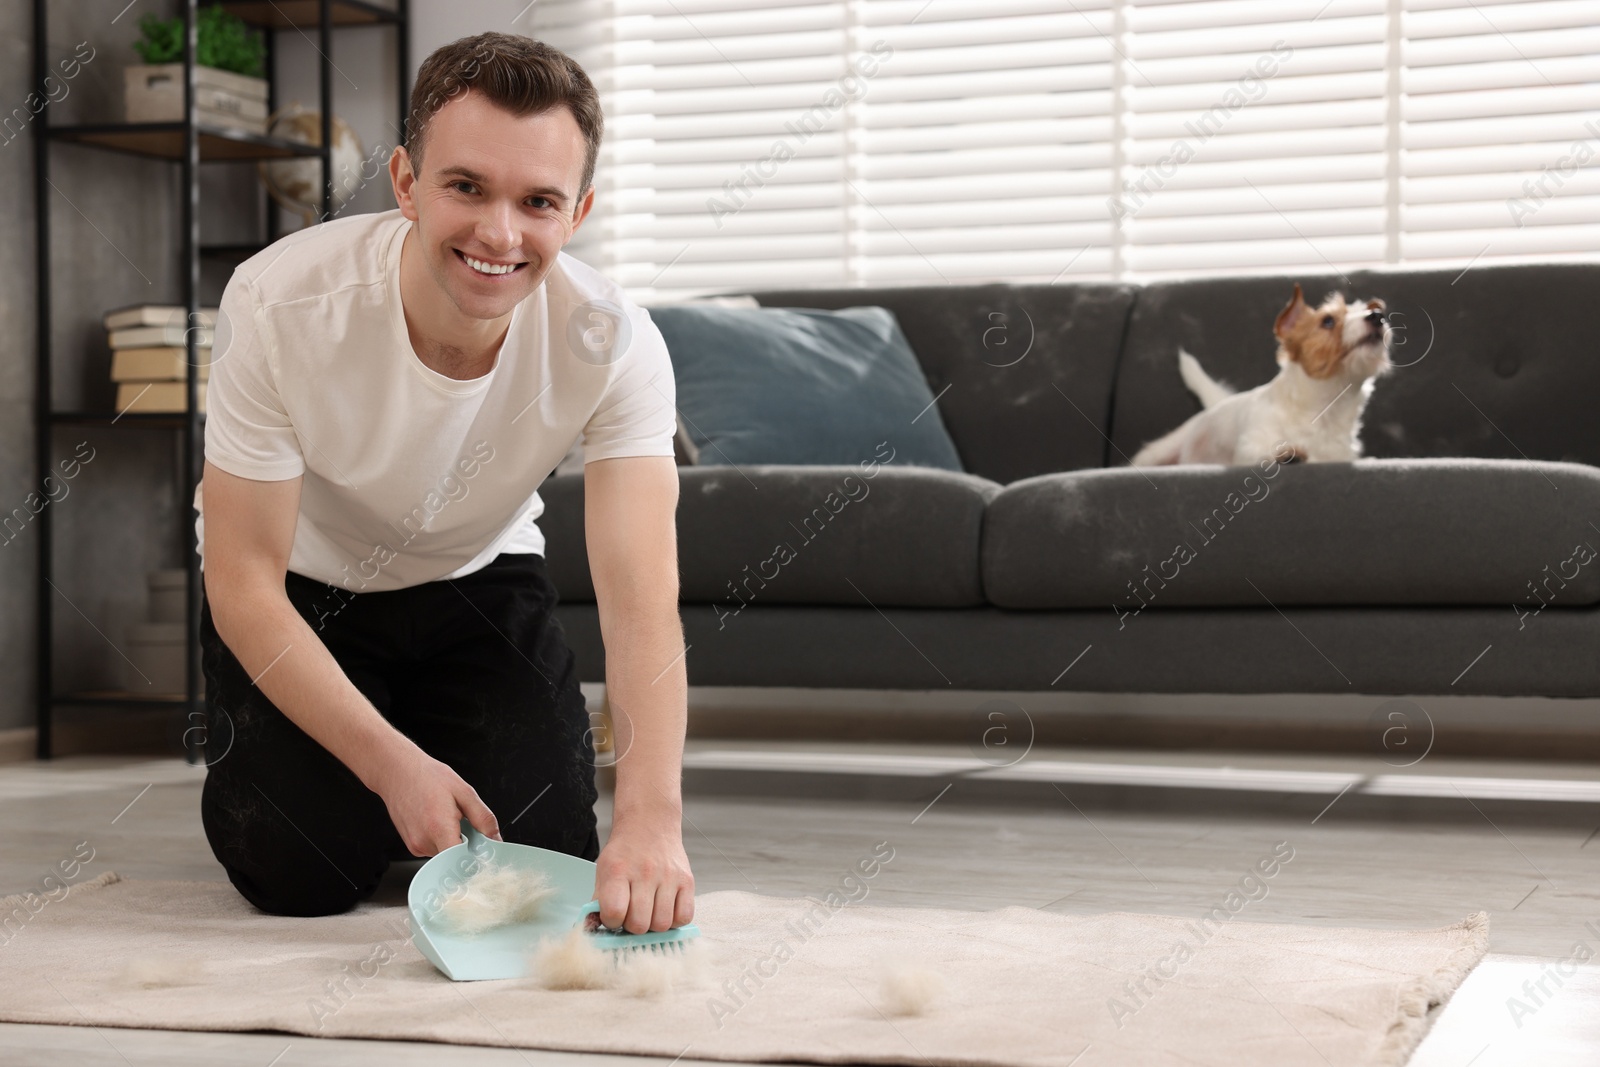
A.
pixel 1290 314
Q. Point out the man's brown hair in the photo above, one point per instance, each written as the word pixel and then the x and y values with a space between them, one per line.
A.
pixel 516 73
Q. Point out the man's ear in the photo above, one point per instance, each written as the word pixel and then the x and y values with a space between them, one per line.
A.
pixel 403 179
pixel 1290 314
pixel 582 213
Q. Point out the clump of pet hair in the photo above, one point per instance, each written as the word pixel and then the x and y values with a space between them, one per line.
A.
pixel 655 974
pixel 494 895
pixel 572 962
pixel 908 988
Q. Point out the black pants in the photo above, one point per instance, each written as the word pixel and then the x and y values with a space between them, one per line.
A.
pixel 475 670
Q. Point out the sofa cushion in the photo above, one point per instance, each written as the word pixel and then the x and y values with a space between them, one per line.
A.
pixel 1493 362
pixel 800 385
pixel 867 534
pixel 1375 532
pixel 1023 372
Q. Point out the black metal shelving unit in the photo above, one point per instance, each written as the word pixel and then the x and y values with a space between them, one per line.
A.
pixel 188 144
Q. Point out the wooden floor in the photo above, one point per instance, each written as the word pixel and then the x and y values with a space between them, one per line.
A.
pixel 1539 883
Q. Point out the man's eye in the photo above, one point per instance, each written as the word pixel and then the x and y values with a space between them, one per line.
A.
pixel 1327 322
pixel 454 184
pixel 540 202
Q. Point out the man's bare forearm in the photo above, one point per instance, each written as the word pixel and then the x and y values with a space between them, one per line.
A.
pixel 629 506
pixel 642 876
pixel 647 690
pixel 290 664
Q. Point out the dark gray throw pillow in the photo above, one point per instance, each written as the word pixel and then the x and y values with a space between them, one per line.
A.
pixel 801 386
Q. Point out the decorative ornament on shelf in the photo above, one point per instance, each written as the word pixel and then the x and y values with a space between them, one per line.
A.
pixel 297 184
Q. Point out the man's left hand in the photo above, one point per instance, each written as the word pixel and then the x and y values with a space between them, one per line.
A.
pixel 642 878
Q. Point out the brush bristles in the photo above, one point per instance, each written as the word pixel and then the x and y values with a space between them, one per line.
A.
pixel 660 948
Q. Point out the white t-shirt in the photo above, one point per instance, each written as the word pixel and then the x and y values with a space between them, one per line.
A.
pixel 411 476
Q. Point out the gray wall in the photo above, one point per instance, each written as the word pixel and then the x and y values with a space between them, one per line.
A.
pixel 114 221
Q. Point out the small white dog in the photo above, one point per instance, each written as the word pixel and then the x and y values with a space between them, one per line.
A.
pixel 1330 357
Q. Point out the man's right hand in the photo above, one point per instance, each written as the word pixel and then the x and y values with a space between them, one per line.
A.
pixel 427 801
pixel 249 532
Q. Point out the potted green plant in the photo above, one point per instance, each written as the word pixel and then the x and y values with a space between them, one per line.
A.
pixel 229 89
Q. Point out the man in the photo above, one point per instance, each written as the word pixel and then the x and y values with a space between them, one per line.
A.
pixel 387 392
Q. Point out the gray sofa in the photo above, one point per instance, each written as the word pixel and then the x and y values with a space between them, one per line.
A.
pixel 1421 569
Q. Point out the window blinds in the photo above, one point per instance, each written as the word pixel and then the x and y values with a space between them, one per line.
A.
pixel 753 143
pixel 1500 129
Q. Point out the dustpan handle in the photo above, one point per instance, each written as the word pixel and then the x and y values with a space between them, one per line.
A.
pixel 472 838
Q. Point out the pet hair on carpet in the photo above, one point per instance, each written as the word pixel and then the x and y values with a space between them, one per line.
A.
pixel 493 896
pixel 571 962
pixel 575 962
pixel 908 989
pixel 652 974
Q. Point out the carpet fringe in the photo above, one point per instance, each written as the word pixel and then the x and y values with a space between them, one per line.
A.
pixel 1423 992
pixel 20 900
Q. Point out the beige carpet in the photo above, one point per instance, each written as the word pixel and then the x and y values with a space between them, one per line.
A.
pixel 1021 986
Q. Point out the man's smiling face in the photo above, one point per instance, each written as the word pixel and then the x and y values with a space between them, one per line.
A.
pixel 495 201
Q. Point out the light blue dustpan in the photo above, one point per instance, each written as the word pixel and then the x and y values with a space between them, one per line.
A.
pixel 503 951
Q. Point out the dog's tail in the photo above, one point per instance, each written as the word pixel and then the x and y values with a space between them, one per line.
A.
pixel 1201 384
pixel 1162 452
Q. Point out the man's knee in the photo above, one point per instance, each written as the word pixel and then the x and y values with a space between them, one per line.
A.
pixel 277 867
pixel 297 892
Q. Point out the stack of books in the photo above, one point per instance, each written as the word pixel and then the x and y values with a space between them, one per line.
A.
pixel 149 358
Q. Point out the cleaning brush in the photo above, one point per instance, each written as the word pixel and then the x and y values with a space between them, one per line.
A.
pixel 662 942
